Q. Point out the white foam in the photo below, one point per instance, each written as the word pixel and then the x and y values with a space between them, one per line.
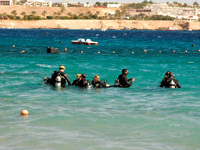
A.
pixel 42 65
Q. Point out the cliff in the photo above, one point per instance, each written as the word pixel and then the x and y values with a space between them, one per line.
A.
pixel 98 24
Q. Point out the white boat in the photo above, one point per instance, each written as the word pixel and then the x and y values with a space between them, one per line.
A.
pixel 127 28
pixel 103 29
pixel 85 42
pixel 172 28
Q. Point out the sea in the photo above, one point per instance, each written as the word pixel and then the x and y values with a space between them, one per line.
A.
pixel 142 117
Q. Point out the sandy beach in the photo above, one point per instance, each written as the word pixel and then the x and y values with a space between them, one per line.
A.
pixel 98 24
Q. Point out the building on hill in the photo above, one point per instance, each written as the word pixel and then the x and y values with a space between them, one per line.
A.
pixel 74 4
pixel 39 3
pixel 6 2
pixel 87 5
pixel 113 5
pixel 64 3
pixel 180 13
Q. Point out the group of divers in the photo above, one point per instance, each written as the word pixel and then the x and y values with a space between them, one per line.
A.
pixel 59 79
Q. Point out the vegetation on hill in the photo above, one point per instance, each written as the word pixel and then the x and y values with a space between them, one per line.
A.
pixel 60 12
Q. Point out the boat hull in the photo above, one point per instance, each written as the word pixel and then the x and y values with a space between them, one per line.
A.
pixel 85 43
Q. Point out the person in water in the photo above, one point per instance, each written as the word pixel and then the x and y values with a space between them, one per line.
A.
pixel 77 80
pixel 59 78
pixel 83 81
pixel 122 81
pixel 169 81
pixel 96 82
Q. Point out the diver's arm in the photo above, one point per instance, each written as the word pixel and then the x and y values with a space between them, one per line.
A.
pixel 129 79
pixel 53 76
pixel 177 84
pixel 67 79
pixel 74 82
pixel 92 82
pixel 128 84
pixel 162 83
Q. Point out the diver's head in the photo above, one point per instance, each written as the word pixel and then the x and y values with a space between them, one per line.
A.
pixel 96 78
pixel 83 76
pixel 62 68
pixel 78 75
pixel 167 74
pixel 125 72
pixel 171 75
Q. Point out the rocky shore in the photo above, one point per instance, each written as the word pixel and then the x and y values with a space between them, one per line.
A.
pixel 99 24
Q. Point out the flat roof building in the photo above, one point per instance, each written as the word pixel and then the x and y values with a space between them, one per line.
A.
pixel 6 2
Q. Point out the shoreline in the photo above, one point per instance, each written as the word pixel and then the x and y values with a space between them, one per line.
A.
pixel 99 24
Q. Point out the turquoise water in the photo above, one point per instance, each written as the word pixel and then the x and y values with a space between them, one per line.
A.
pixel 144 116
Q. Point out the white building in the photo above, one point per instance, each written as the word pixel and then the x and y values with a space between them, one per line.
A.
pixel 64 3
pixel 39 3
pixel 113 5
pixel 74 3
pixel 176 12
pixel 111 13
pixel 6 2
pixel 87 5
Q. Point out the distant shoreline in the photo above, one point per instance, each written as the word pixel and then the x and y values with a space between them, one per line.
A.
pixel 99 24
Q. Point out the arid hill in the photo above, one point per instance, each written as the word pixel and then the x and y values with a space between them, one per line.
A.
pixel 50 11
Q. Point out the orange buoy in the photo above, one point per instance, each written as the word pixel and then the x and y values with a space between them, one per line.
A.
pixel 199 50
pixel 174 51
pixel 24 112
pixel 65 49
pixel 132 52
pixel 13 45
pixel 145 50
pixel 98 52
pixel 186 51
pixel 81 51
pixel 113 52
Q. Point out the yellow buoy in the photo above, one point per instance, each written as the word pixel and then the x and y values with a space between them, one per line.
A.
pixel 24 112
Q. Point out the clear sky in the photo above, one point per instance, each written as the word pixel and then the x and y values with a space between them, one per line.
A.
pixel 131 1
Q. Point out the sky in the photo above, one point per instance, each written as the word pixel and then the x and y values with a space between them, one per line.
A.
pixel 131 1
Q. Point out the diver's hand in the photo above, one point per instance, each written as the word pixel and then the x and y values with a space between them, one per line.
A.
pixel 132 79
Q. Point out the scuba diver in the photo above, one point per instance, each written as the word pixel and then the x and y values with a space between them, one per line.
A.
pixel 59 78
pixel 77 80
pixel 122 81
pixel 83 81
pixel 98 84
pixel 169 81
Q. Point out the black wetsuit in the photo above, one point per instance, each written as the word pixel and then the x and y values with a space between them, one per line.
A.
pixel 98 84
pixel 63 76
pixel 76 82
pixel 124 82
pixel 166 82
pixel 83 83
